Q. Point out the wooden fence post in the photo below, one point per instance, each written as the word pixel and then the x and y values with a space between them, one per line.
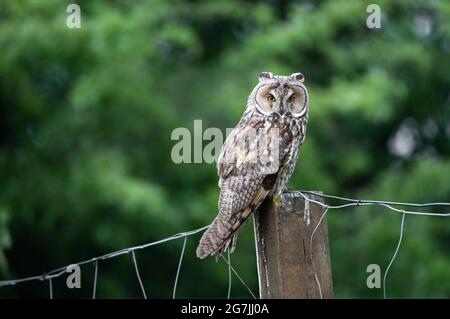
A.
pixel 285 267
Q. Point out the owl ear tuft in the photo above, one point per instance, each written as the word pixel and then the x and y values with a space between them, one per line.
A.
pixel 265 76
pixel 297 77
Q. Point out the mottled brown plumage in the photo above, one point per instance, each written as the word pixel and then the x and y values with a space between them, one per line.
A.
pixel 258 157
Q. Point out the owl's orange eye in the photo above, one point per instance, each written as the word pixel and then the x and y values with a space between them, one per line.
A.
pixel 271 98
pixel 291 99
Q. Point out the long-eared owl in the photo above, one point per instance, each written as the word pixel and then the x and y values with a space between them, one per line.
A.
pixel 258 157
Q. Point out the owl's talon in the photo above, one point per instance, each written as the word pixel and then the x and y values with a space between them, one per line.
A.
pixel 278 201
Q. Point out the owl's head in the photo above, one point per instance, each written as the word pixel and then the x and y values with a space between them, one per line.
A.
pixel 282 95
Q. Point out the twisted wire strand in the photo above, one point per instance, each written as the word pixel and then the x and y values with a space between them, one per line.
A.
pixel 138 275
pixel 364 202
pixel 371 201
pixel 239 277
pixel 179 268
pixel 311 241
pixel 229 274
pixel 62 270
pixel 394 256
pixel 94 289
pixel 51 287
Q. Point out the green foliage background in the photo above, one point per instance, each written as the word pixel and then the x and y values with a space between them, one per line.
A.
pixel 87 116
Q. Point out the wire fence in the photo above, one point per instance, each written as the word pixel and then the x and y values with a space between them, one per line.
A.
pixel 349 202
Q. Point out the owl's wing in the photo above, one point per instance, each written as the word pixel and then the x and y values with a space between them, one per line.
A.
pixel 225 164
pixel 243 186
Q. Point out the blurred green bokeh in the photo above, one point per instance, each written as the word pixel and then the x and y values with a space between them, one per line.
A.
pixel 87 117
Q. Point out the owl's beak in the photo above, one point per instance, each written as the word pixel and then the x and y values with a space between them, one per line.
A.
pixel 277 109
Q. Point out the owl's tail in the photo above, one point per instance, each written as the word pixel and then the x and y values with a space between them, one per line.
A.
pixel 217 239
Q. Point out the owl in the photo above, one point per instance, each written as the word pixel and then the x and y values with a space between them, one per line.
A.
pixel 258 157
